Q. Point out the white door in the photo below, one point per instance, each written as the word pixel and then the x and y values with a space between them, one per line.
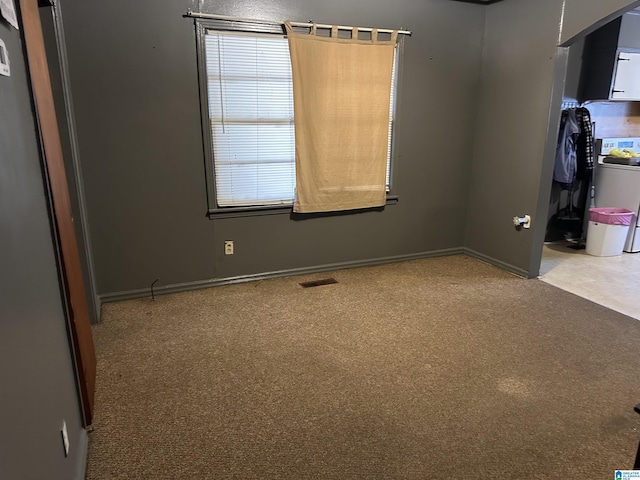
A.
pixel 626 85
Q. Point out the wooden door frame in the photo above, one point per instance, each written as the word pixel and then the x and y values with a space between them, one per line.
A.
pixel 45 113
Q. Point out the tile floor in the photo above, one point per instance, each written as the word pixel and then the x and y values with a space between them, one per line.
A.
pixel 610 281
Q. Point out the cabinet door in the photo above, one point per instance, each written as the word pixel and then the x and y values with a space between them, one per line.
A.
pixel 629 37
pixel 626 85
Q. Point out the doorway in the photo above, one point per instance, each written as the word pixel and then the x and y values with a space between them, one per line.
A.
pixel 564 263
pixel 73 281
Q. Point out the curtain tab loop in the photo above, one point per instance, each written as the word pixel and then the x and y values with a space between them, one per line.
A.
pixel 334 31
pixel 288 28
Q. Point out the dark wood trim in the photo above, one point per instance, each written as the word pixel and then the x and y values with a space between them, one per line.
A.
pixel 63 217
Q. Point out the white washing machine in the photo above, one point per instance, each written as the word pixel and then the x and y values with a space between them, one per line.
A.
pixel 618 186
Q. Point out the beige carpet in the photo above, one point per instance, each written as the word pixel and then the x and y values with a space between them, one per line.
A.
pixel 433 369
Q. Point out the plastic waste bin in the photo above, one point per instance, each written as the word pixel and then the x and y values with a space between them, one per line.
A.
pixel 607 232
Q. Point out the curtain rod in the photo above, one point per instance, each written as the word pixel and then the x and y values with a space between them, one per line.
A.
pixel 295 24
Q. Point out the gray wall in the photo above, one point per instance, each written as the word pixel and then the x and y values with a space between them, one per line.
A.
pixel 472 137
pixel 517 78
pixel 135 90
pixel 36 372
pixel 522 76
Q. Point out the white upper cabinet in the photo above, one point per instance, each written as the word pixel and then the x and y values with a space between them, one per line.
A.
pixel 626 85
pixel 611 61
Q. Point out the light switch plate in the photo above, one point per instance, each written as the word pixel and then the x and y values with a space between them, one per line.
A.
pixel 65 438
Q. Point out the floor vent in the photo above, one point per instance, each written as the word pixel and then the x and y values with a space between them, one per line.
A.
pixel 317 283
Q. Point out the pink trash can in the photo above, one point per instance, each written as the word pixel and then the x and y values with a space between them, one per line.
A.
pixel 608 230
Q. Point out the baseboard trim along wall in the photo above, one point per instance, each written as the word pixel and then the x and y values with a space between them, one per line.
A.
pixel 98 304
pixel 520 272
pixel 183 287
pixel 83 450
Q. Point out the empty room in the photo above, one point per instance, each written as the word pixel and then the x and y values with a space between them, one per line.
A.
pixel 292 239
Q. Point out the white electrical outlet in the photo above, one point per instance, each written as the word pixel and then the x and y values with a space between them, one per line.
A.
pixel 228 247
pixel 65 438
pixel 522 222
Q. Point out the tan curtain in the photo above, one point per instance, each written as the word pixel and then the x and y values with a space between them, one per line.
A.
pixel 341 95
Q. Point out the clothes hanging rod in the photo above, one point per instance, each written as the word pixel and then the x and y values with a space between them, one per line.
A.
pixel 295 24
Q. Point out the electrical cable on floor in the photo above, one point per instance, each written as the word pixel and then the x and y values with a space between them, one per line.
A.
pixel 153 297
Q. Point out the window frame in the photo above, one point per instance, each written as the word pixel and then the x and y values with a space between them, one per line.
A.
pixel 213 210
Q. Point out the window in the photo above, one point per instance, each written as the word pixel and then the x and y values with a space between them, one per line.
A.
pixel 248 119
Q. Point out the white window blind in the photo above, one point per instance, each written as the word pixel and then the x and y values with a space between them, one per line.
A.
pixel 250 103
pixel 251 111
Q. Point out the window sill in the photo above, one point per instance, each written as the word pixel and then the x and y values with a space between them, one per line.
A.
pixel 236 212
